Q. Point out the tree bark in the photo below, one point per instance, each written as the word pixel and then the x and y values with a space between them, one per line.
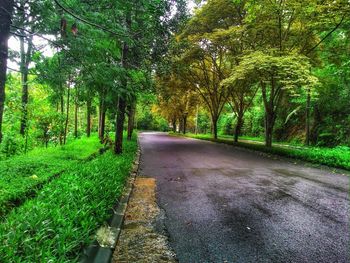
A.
pixel 76 109
pixel 131 120
pixel 197 114
pixel 238 128
pixel 184 119
pixel 271 105
pixel 174 124
pixel 67 116
pixel 6 8
pixel 269 124
pixel 118 147
pixel 214 123
pixel 121 109
pixel 26 57
pixel 180 125
pixel 25 97
pixel 61 124
pixel 102 119
pixel 215 129
pixel 88 118
pixel 25 61
pixel 103 124
pixel 307 119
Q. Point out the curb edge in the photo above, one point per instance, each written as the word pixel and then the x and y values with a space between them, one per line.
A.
pixel 95 253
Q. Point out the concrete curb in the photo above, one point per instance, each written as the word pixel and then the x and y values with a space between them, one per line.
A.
pixel 101 251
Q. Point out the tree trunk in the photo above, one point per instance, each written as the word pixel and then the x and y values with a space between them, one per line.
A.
pixel 24 80
pixel 61 124
pixel 307 119
pixel 25 97
pixel 6 7
pixel 88 118
pixel 238 128
pixel 67 116
pixel 131 120
pixel 215 129
pixel 214 123
pixel 180 125
pixel 271 106
pixel 103 124
pixel 118 147
pixel 184 124
pixel 102 120
pixel 173 123
pixel 26 57
pixel 197 114
pixel 76 109
pixel 269 124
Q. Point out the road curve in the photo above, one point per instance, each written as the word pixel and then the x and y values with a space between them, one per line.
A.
pixel 226 204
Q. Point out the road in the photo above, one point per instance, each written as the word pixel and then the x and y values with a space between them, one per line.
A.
pixel 226 204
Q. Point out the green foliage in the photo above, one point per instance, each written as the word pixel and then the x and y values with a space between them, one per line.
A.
pixel 290 71
pixel 66 213
pixel 225 125
pixel 12 144
pixel 21 175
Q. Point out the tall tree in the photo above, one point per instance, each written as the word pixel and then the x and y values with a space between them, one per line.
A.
pixel 6 8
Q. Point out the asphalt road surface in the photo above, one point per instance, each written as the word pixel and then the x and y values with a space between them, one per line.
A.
pixel 226 204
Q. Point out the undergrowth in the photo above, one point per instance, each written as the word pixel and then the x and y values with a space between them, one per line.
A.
pixel 54 226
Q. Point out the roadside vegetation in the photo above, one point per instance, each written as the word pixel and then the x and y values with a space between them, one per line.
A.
pixel 21 176
pixel 337 157
pixel 62 219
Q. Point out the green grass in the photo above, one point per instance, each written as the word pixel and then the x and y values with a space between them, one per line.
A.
pixel 22 175
pixel 62 219
pixel 338 157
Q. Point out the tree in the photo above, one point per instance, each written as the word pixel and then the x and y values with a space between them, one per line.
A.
pixel 242 94
pixel 6 8
pixel 212 50
pixel 176 101
pixel 276 76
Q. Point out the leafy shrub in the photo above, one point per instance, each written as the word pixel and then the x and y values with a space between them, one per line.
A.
pixel 12 145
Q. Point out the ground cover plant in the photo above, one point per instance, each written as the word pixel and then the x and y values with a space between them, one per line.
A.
pixel 338 157
pixel 22 175
pixel 62 219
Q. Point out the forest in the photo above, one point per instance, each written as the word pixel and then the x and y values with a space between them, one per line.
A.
pixel 78 77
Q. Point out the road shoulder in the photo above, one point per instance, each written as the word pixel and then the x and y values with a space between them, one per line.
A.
pixel 140 239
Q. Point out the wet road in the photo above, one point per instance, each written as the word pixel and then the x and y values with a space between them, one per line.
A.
pixel 225 204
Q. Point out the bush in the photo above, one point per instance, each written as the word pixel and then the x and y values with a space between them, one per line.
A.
pixel 12 145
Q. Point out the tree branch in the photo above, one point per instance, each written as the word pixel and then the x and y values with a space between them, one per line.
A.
pixel 326 36
pixel 86 21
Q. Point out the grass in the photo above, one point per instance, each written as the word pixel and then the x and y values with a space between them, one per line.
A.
pixel 23 175
pixel 338 157
pixel 62 219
